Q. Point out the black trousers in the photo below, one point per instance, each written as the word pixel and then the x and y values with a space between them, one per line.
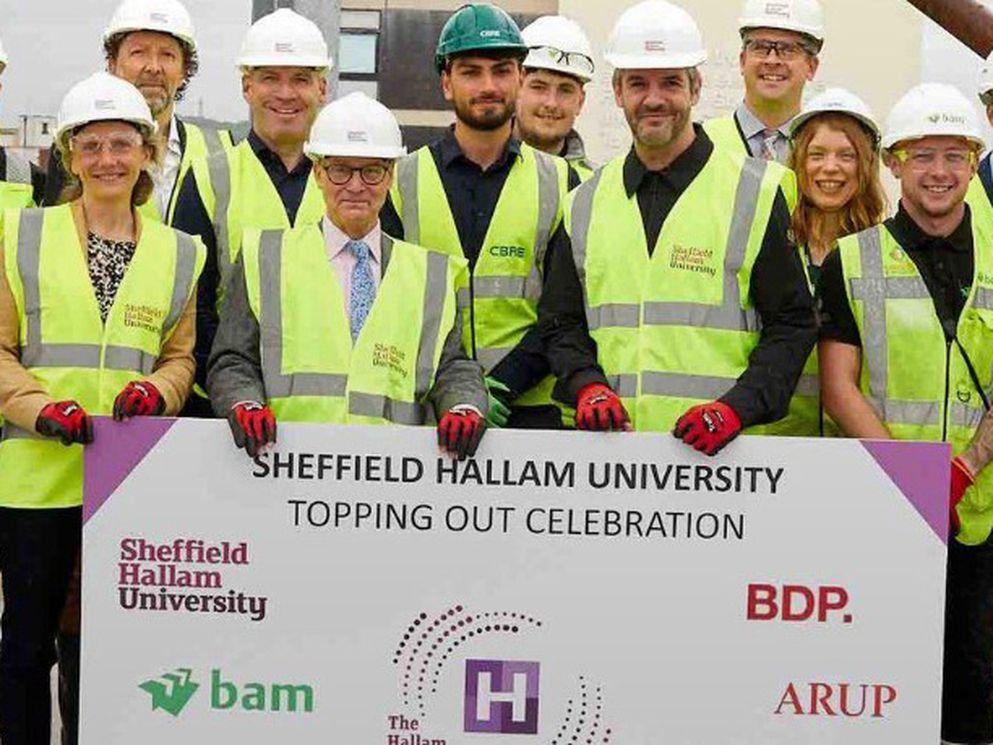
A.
pixel 535 417
pixel 37 551
pixel 967 692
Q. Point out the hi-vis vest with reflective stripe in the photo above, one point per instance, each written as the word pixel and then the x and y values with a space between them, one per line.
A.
pixel 918 385
pixel 201 144
pixel 677 328
pixel 14 195
pixel 724 133
pixel 237 194
pixel 978 199
pixel 507 277
pixel 67 348
pixel 311 371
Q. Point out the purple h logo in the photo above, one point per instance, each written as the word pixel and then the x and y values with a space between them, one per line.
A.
pixel 501 696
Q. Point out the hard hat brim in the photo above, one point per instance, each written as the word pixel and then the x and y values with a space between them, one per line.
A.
pixel 185 38
pixel 324 150
pixel 801 119
pixel 891 141
pixel 147 129
pixel 750 24
pixel 316 62
pixel 655 62
pixel 553 67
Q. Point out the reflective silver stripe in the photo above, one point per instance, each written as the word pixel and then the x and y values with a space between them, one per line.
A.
pixel 728 317
pixel 497 287
pixel 127 358
pixel 28 265
pixel 911 412
pixel 278 385
pixel 613 315
pixel 808 385
pixel 489 357
pixel 579 223
pixel 625 386
pixel 64 355
pixel 893 288
pixel 871 291
pixel 212 140
pixel 464 298
pixel 548 209
pixel 220 180
pixel 685 386
pixel 372 405
pixel 983 299
pixel 409 209
pixel 186 264
pixel 13 432
pixel 434 306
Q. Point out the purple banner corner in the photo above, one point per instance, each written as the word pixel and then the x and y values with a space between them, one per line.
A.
pixel 118 447
pixel 921 472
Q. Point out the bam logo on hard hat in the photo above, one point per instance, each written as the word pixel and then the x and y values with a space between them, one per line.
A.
pixel 946 118
pixel 654 46
pixel 357 136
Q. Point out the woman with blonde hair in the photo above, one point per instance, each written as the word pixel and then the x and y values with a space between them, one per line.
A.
pixel 97 317
pixel 835 156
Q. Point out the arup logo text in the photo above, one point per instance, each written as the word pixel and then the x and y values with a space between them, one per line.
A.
pixel 501 696
pixel 173 694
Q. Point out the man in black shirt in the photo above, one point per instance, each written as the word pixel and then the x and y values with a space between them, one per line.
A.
pixel 643 314
pixel 906 351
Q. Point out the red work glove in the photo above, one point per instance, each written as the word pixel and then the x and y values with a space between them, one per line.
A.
pixel 599 409
pixel 253 426
pixel 66 420
pixel 708 427
pixel 139 398
pixel 962 479
pixel 460 430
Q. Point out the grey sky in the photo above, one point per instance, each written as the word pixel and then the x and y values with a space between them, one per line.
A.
pixel 52 44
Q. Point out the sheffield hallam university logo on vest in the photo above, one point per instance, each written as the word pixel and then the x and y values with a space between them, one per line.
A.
pixel 501 697
pixel 388 355
pixel 692 259
pixel 145 317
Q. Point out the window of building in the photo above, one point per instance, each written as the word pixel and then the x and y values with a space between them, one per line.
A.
pixel 358 51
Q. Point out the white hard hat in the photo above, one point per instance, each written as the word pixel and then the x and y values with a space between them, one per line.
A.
pixel 284 39
pixel 802 16
pixel 986 81
pixel 167 16
pixel 837 100
pixel 104 97
pixel 3 58
pixel 355 126
pixel 655 34
pixel 932 109
pixel 558 44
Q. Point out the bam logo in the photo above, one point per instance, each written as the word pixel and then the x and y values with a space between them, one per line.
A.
pixel 173 694
pixel 501 696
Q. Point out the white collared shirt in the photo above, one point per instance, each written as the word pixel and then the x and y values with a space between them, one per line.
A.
pixel 343 262
pixel 165 176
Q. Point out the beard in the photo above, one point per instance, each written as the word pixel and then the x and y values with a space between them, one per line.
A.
pixel 664 135
pixel 541 137
pixel 488 121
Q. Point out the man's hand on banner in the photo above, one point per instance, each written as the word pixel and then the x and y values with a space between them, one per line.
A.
pixel 66 420
pixel 708 427
pixel 139 398
pixel 962 479
pixel 460 430
pixel 599 409
pixel 253 425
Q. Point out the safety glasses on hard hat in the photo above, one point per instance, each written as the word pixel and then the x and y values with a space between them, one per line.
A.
pixel 573 60
pixel 923 159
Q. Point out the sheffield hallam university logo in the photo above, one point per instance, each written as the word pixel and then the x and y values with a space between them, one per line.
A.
pixel 501 697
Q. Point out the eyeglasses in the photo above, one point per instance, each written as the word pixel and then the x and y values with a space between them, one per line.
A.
pixel 785 50
pixel 573 60
pixel 339 174
pixel 91 146
pixel 921 160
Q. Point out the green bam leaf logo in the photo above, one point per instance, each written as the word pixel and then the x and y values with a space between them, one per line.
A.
pixel 171 691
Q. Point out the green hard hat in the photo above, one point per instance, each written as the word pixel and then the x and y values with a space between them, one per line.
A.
pixel 478 26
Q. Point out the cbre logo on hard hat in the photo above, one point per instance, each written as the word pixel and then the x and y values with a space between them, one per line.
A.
pixel 489 33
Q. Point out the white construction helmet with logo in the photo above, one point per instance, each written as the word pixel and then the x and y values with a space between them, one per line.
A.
pixel 355 126
pixel 284 39
pixel 655 34
pixel 165 16
pixel 802 16
pixel 986 81
pixel 836 100
pixel 558 44
pixel 103 97
pixel 932 110
pixel 3 58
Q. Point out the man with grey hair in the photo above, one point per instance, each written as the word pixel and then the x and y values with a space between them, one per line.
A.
pixel 673 300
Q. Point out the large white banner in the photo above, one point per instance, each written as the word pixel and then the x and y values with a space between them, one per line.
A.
pixel 354 587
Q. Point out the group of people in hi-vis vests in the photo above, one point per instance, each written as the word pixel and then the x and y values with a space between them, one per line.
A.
pixel 314 271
